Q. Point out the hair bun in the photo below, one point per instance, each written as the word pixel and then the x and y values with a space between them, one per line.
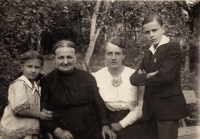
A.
pixel 121 42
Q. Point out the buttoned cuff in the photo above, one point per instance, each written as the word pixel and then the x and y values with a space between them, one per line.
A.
pixel 124 123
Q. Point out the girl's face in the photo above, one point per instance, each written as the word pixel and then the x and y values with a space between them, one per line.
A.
pixel 114 56
pixel 65 59
pixel 154 32
pixel 31 68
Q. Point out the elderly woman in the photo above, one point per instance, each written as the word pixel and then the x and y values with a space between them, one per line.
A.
pixel 73 96
pixel 124 101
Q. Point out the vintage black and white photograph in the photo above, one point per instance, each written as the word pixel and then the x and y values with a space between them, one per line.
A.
pixel 99 69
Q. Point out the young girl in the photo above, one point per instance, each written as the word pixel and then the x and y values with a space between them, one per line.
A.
pixel 21 117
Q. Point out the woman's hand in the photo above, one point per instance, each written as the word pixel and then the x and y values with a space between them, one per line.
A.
pixel 106 131
pixel 63 134
pixel 116 126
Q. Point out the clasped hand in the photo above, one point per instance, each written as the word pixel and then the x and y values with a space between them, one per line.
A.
pixel 46 115
pixel 116 126
pixel 141 71
pixel 63 134
pixel 149 75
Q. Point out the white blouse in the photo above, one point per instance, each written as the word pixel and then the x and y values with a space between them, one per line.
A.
pixel 122 97
pixel 21 95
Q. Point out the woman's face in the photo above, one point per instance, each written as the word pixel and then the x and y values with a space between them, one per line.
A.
pixel 65 59
pixel 113 56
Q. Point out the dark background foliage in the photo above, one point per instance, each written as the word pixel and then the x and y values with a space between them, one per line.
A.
pixel 38 24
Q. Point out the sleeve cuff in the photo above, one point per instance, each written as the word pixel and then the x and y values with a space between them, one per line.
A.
pixel 26 105
pixel 131 117
pixel 123 123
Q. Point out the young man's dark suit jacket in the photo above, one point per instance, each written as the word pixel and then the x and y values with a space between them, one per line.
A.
pixel 163 94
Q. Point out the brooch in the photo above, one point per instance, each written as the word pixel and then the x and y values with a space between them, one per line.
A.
pixel 116 82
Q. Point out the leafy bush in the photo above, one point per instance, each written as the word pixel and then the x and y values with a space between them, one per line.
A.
pixel 189 80
pixel 194 114
pixel 9 68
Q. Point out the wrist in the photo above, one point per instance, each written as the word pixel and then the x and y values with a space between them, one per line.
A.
pixel 38 115
pixel 106 127
pixel 123 123
pixel 57 131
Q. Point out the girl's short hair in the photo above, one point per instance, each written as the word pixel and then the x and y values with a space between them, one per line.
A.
pixel 151 18
pixel 64 43
pixel 120 42
pixel 30 55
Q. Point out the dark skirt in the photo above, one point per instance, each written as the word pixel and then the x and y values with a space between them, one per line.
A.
pixel 80 121
pixel 138 130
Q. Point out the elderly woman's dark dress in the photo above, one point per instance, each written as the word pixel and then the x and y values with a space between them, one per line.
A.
pixel 76 103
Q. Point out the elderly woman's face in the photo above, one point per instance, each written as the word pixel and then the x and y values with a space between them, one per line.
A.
pixel 65 59
pixel 113 56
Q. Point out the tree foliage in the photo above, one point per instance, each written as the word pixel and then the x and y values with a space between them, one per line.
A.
pixel 25 23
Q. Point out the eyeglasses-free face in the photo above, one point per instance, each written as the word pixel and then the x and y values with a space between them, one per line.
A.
pixel 114 56
pixel 31 68
pixel 153 32
pixel 65 59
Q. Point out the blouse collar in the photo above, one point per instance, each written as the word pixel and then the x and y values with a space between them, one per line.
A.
pixel 164 40
pixel 31 87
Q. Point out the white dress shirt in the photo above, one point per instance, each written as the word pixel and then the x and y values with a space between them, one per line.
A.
pixel 164 40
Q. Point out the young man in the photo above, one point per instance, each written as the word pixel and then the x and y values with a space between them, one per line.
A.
pixel 164 103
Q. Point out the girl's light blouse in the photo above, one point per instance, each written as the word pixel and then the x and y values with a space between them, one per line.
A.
pixel 21 95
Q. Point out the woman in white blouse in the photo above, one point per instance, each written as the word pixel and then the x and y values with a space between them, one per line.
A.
pixel 124 101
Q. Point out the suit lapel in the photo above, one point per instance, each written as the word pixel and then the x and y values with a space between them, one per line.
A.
pixel 158 57
pixel 147 61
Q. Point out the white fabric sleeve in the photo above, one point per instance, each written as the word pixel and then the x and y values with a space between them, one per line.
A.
pixel 132 116
pixel 18 98
pixel 135 114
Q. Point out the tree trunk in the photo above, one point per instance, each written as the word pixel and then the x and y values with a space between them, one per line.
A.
pixel 91 46
pixel 94 32
pixel 187 59
pixel 198 38
pixel 187 63
pixel 38 43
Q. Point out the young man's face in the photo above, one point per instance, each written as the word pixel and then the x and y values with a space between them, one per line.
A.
pixel 153 31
